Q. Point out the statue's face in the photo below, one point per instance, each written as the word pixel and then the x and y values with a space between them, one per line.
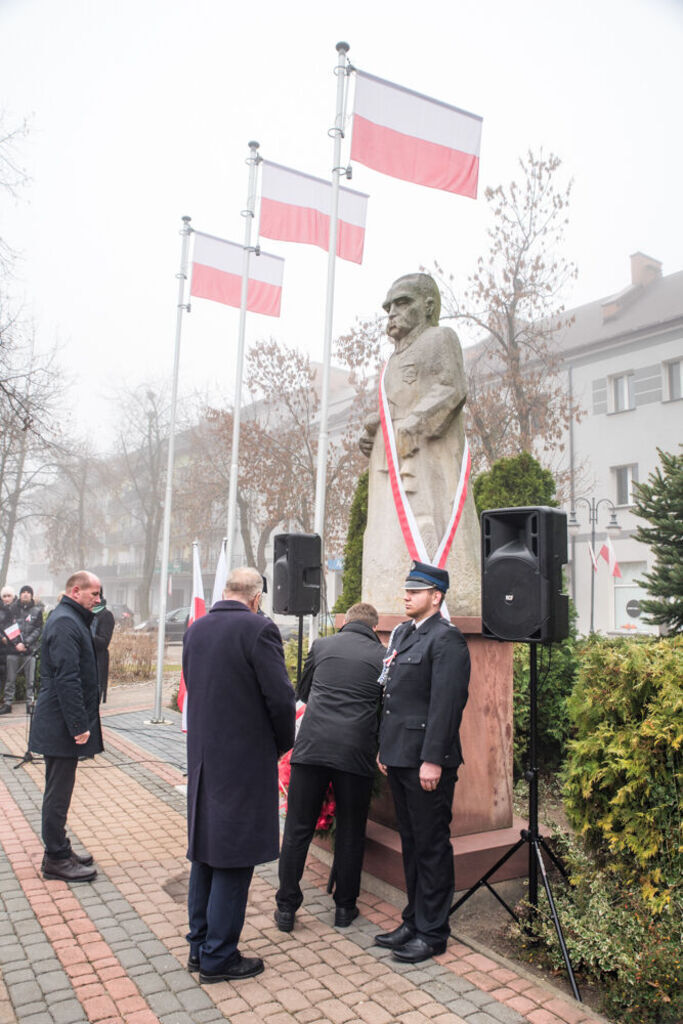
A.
pixel 406 310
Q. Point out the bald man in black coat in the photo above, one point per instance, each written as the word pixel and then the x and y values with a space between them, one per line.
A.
pixel 240 720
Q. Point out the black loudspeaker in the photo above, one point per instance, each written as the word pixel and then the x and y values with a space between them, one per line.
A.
pixel 296 574
pixel 523 551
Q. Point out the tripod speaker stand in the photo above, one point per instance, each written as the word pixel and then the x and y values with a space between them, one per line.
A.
pixel 27 757
pixel 531 835
pixel 522 553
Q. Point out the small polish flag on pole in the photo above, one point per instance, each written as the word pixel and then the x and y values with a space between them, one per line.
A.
pixel 197 609
pixel 13 632
pixel 414 137
pixel 220 577
pixel 594 560
pixel 296 207
pixel 607 552
pixel 217 275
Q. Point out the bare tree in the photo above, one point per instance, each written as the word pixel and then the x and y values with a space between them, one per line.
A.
pixel 138 478
pixel 30 437
pixel 74 526
pixel 516 400
pixel 278 448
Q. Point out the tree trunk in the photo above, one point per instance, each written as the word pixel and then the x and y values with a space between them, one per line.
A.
pixel 13 508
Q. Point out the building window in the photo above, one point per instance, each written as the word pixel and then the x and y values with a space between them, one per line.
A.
pixel 672 380
pixel 621 392
pixel 624 478
pixel 627 598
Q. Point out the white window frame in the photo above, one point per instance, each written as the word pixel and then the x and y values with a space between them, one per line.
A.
pixel 669 392
pixel 631 470
pixel 620 386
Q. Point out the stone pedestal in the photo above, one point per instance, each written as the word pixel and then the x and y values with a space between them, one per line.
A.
pixel 483 828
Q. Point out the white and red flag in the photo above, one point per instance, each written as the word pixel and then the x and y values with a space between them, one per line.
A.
pixel 594 561
pixel 197 609
pixel 414 137
pixel 297 207
pixel 220 577
pixel 607 552
pixel 217 275
pixel 13 632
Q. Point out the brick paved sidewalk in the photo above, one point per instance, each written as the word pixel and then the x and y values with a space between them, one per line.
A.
pixel 114 951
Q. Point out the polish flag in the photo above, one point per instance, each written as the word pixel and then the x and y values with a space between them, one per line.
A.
pixel 607 552
pixel 594 561
pixel 13 632
pixel 197 609
pixel 217 275
pixel 296 207
pixel 220 577
pixel 415 138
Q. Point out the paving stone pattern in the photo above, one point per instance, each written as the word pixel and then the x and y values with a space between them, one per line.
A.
pixel 114 951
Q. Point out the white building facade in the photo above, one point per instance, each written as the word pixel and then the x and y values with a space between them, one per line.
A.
pixel 623 357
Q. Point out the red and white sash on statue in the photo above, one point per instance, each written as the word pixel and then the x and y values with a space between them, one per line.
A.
pixel 409 528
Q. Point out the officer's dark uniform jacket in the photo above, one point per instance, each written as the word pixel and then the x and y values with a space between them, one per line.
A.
pixel 426 692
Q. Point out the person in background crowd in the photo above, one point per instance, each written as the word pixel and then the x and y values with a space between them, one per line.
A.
pixel 240 719
pixel 66 724
pixel 8 616
pixel 337 743
pixel 102 630
pixel 23 648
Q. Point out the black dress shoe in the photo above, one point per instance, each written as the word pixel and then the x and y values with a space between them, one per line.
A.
pixel 343 916
pixel 415 950
pixel 284 919
pixel 245 967
pixel 399 936
pixel 86 859
pixel 192 963
pixel 6 709
pixel 68 870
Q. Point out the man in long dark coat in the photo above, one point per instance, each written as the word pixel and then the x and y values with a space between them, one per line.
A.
pixel 240 719
pixel 427 674
pixel 66 724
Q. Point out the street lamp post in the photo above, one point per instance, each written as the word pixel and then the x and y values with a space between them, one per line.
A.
pixel 573 524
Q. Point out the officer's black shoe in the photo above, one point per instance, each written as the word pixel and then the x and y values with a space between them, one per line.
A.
pixel 192 963
pixel 415 950
pixel 399 936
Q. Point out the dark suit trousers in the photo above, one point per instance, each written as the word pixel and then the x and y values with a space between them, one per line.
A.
pixel 60 776
pixel 307 787
pixel 217 904
pixel 424 819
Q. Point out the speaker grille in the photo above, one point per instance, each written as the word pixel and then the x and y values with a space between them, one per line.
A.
pixel 514 607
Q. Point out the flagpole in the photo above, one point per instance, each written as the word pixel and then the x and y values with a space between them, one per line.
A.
pixel 321 469
pixel 253 161
pixel 185 232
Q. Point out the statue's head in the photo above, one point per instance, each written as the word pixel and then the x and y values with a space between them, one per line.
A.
pixel 413 303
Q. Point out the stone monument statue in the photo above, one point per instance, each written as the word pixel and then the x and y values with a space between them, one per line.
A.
pixel 418 478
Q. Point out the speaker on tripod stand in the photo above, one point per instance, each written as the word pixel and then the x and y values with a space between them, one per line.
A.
pixel 522 554
pixel 297 574
pixel 523 551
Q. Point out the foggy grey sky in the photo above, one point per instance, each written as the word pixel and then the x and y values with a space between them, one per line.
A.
pixel 141 112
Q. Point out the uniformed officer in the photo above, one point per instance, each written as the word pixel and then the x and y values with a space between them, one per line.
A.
pixel 426 674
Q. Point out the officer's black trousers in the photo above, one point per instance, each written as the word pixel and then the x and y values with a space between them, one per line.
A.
pixel 424 819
